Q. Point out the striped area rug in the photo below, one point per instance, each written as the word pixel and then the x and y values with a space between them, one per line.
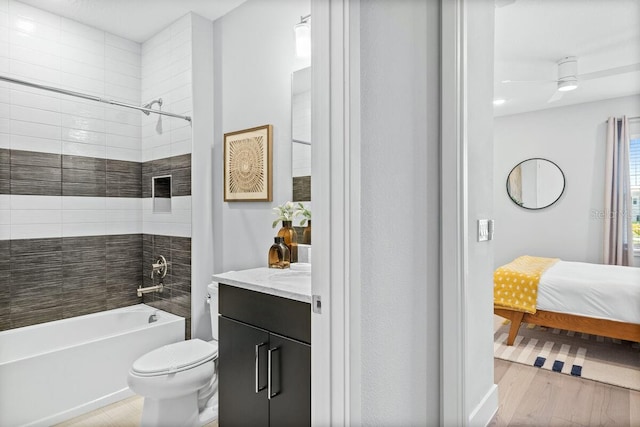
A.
pixel 597 358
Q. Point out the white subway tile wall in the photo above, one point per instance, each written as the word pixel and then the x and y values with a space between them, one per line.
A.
pixel 301 131
pixel 301 159
pixel 5 217
pixel 85 203
pixel 70 216
pixel 166 74
pixel 42 47
pixel 177 222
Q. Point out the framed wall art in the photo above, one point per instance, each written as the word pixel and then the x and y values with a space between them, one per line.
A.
pixel 248 164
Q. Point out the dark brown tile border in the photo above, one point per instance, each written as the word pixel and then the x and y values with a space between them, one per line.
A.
pixel 34 158
pixel 179 167
pixel 50 279
pixel 176 298
pixel 87 163
pixel 301 188
pixel 5 171
pixel 35 173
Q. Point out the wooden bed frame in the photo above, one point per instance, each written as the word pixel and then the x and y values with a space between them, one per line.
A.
pixel 587 325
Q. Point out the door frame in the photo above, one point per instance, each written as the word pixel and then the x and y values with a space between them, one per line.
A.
pixel 335 83
pixel 336 335
pixel 454 213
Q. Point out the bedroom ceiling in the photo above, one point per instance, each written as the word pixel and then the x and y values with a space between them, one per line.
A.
pixel 532 35
pixel 136 20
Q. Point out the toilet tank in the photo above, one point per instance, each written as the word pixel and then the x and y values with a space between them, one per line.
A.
pixel 213 309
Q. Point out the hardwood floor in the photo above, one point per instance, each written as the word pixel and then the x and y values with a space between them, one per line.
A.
pixel 537 397
pixel 125 413
pixel 528 396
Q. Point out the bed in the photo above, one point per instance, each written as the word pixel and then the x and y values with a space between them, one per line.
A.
pixel 589 298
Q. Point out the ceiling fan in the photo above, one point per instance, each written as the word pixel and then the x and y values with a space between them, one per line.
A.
pixel 569 79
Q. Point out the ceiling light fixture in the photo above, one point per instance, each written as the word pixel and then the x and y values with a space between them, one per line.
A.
pixel 303 37
pixel 568 85
pixel 568 74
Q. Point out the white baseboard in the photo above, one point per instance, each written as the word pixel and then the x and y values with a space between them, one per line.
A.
pixel 486 409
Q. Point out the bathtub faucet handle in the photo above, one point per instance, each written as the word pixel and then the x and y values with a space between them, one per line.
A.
pixel 160 267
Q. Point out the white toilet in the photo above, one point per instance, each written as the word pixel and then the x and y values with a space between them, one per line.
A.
pixel 179 381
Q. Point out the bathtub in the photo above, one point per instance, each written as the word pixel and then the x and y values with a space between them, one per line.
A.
pixel 58 370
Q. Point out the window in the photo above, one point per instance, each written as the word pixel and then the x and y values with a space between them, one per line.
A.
pixel 634 159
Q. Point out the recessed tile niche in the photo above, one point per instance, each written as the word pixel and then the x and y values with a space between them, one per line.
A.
pixel 161 187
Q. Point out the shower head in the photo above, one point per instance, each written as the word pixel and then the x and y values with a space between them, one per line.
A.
pixel 150 104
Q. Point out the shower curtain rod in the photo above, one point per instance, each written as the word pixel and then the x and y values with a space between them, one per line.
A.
pixel 91 97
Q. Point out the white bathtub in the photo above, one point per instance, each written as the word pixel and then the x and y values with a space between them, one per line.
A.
pixel 55 371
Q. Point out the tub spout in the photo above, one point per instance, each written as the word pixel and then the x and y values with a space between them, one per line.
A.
pixel 153 317
pixel 157 288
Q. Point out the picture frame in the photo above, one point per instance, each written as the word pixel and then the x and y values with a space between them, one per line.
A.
pixel 248 165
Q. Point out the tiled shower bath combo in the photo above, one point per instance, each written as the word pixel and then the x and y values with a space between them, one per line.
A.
pixel 78 229
pixel 45 279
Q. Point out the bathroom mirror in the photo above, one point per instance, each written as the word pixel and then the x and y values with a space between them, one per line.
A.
pixel 301 134
pixel 535 183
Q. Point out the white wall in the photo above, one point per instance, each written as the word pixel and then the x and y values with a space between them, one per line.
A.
pixel 573 137
pixel 201 171
pixel 399 65
pixel 254 57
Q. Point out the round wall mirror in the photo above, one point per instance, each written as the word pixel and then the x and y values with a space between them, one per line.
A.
pixel 535 183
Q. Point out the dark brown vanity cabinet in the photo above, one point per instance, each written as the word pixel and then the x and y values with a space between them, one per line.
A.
pixel 264 359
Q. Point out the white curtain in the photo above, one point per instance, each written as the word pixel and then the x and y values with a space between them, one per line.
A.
pixel 618 234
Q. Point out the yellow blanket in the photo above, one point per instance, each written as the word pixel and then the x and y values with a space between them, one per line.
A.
pixel 515 285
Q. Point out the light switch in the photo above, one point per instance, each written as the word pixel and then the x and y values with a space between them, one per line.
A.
pixel 485 230
pixel 316 304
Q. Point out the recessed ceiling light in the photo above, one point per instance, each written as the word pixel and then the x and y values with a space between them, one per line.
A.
pixel 499 101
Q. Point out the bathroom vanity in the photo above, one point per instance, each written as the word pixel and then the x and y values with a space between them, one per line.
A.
pixel 264 369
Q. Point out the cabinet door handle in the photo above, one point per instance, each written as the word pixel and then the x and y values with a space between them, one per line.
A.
pixel 258 388
pixel 270 392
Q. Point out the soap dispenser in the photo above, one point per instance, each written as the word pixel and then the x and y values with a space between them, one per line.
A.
pixel 279 255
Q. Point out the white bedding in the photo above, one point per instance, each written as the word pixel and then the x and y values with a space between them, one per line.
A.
pixel 592 290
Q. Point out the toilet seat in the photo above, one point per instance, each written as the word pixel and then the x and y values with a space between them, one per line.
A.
pixel 173 358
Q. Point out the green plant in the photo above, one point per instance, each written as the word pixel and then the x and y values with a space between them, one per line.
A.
pixel 302 210
pixel 285 212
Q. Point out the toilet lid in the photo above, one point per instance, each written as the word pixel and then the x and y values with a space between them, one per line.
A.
pixel 175 357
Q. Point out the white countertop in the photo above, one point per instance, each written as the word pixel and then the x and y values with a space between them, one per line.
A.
pixel 295 285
